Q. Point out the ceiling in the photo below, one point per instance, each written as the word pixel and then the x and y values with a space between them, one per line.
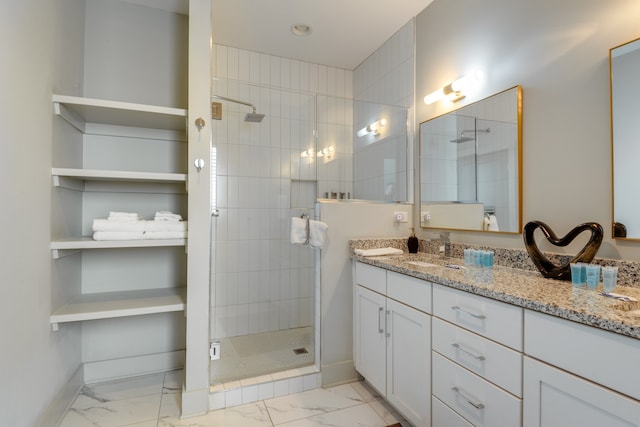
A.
pixel 343 32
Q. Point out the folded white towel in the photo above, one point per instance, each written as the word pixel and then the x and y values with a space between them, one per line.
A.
pixel 317 233
pixel 175 226
pixel 124 216
pixel 167 216
pixel 155 235
pixel 118 235
pixel 101 224
pixel 298 231
pixel 378 252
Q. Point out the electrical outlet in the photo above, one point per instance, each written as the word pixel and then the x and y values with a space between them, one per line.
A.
pixel 426 216
pixel 400 217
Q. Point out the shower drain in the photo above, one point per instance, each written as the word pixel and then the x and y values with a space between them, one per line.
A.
pixel 300 350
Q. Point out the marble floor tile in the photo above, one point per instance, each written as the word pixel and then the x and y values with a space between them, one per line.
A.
pixel 356 416
pixel 125 388
pixel 249 415
pixel 311 403
pixel 87 411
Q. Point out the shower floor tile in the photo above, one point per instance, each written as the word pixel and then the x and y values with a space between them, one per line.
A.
pixel 260 354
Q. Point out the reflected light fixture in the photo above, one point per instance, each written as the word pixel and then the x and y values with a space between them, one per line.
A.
pixel 326 152
pixel 373 128
pixel 455 90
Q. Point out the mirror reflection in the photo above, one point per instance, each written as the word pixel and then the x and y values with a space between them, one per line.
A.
pixel 625 91
pixel 470 166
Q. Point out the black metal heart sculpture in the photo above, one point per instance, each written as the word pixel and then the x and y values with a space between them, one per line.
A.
pixel 562 272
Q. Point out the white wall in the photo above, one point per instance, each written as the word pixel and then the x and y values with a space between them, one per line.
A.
pixel 347 221
pixel 558 52
pixel 35 363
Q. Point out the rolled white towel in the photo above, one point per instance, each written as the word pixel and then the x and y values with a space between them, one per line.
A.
pixel 167 216
pixel 167 226
pixel 298 231
pixel 378 252
pixel 124 216
pixel 101 224
pixel 317 233
pixel 118 235
pixel 156 235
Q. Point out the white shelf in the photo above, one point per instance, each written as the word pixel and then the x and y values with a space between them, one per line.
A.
pixel 79 111
pixel 120 304
pixel 75 179
pixel 64 247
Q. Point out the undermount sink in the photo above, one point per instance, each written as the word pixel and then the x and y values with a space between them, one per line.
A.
pixel 421 263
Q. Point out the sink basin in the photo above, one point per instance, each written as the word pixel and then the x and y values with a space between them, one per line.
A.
pixel 421 263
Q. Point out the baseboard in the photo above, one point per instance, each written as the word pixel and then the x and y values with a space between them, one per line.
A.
pixel 52 416
pixel 338 373
pixel 133 366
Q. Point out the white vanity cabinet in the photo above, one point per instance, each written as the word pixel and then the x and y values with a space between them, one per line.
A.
pixel 477 360
pixel 392 338
pixel 576 375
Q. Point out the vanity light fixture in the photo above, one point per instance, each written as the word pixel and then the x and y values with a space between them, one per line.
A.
pixel 455 90
pixel 373 128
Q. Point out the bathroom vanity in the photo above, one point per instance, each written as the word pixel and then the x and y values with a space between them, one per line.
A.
pixel 494 347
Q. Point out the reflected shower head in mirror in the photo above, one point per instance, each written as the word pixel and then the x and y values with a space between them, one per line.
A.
pixel 468 138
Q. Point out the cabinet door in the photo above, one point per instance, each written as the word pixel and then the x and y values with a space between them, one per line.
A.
pixel 409 362
pixel 369 337
pixel 555 398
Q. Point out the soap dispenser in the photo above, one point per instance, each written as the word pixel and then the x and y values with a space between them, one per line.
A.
pixel 412 243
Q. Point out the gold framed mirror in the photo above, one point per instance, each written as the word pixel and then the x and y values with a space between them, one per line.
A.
pixel 624 66
pixel 471 166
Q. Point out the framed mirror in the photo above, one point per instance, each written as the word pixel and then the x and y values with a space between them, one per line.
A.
pixel 624 62
pixel 471 166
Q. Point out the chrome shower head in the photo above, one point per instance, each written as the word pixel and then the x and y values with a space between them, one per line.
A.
pixel 253 117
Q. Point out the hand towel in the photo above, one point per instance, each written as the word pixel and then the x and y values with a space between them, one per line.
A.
pixel 118 235
pixel 102 224
pixel 298 231
pixel 493 223
pixel 124 216
pixel 378 252
pixel 156 235
pixel 317 233
pixel 168 226
pixel 167 216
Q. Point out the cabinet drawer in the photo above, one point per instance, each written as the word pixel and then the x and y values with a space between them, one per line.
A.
pixel 492 319
pixel 488 359
pixel 409 290
pixel 603 357
pixel 443 416
pixel 371 277
pixel 478 401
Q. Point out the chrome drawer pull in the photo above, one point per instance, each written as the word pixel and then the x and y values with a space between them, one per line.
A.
pixel 467 399
pixel 380 310
pixel 462 349
pixel 461 310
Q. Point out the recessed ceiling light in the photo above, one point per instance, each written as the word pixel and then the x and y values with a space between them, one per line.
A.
pixel 301 30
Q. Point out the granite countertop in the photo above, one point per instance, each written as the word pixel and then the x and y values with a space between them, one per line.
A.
pixel 523 288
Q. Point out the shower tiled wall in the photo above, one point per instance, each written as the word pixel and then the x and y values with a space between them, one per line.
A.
pixel 387 78
pixel 262 282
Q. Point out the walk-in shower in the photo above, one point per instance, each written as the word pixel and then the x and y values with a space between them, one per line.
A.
pixel 263 289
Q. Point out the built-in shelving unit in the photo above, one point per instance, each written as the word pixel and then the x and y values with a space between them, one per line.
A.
pixel 118 120
pixel 119 304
